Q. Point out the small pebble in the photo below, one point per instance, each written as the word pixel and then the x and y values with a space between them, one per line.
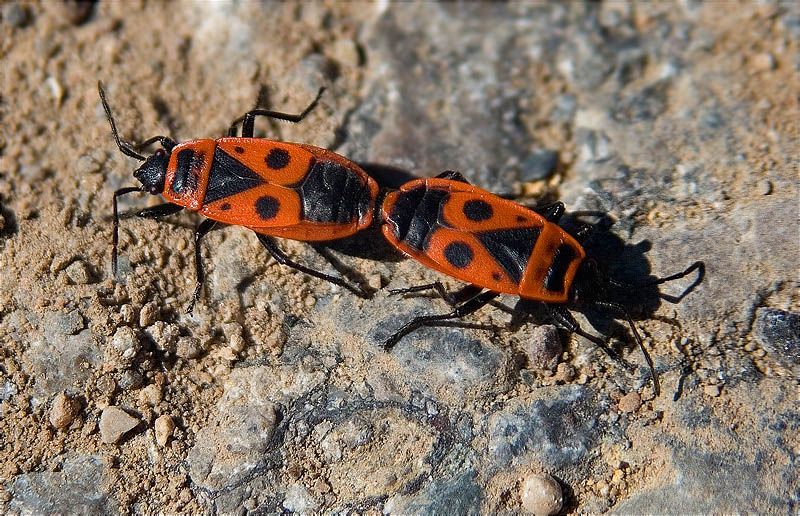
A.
pixel 114 423
pixel 540 164
pixel 711 390
pixel 375 281
pixel 126 342
pixel 189 348
pixel 78 273
pixel 164 335
pixel 630 402
pixel 150 395
pixel 764 62
pixel 16 15
pixel 345 52
pixel 163 427
pixel 148 314
pixel 565 373
pixel 233 333
pixel 544 347
pixel 765 187
pixel 130 379
pixel 64 411
pixel 541 495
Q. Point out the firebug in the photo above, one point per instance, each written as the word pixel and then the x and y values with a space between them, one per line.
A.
pixel 277 189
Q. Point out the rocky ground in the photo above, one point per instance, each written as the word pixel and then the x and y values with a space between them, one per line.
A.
pixel 680 120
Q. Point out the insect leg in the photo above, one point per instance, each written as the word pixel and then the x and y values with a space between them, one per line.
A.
pixel 248 120
pixel 564 318
pixel 115 231
pixel 282 259
pixel 452 298
pixel 202 229
pixel 460 311
pixel 165 141
pixel 619 309
pixel 696 266
pixel 162 210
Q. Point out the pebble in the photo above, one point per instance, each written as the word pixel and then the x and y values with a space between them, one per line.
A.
pixel 565 373
pixel 189 348
pixel 148 314
pixel 130 379
pixel 16 15
pixel 544 347
pixel 114 423
pixel 765 187
pixel 630 402
pixel 150 395
pixel 126 342
pixel 78 273
pixel 64 411
pixel 540 164
pixel 541 495
pixel 163 427
pixel 778 332
pixel 764 62
pixel 711 390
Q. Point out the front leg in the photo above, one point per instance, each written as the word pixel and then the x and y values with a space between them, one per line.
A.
pixel 202 230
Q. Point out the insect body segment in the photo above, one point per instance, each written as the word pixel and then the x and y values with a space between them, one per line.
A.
pixel 480 238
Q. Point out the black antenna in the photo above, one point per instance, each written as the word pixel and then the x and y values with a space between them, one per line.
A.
pixel 124 147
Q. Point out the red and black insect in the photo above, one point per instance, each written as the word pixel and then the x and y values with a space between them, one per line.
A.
pixel 499 247
pixel 288 190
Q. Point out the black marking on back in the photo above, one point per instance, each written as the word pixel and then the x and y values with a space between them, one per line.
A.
pixel 511 248
pixel 186 171
pixel 458 254
pixel 267 207
pixel 333 193
pixel 416 214
pixel 554 278
pixel 478 210
pixel 229 177
pixel 277 158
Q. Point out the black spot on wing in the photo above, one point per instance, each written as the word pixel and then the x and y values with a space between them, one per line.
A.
pixel 511 248
pixel 478 210
pixel 267 207
pixel 277 159
pixel 229 177
pixel 554 278
pixel 459 254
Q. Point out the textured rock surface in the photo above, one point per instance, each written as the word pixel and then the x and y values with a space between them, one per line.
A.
pixel 679 120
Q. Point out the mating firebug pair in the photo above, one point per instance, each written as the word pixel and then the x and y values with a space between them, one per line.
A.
pixel 306 193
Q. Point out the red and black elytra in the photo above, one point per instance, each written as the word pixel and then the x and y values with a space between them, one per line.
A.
pixel 288 190
pixel 499 246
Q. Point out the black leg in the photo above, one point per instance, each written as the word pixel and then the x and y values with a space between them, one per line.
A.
pixel 202 229
pixel 249 119
pixel 115 231
pixel 619 309
pixel 696 266
pixel 453 175
pixel 564 318
pixel 162 210
pixel 165 141
pixel 282 259
pixel 463 310
pixel 452 298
